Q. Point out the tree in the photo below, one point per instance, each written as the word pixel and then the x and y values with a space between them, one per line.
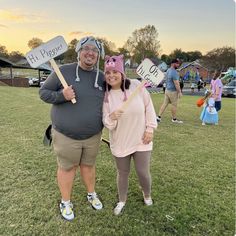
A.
pixel 178 53
pixel 185 56
pixel 15 56
pixel 3 51
pixel 193 55
pixel 73 44
pixel 70 55
pixel 143 43
pixel 34 43
pixel 219 59
pixel 124 52
pixel 166 58
pixel 109 46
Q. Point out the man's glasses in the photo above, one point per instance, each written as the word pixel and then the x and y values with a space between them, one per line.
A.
pixel 87 49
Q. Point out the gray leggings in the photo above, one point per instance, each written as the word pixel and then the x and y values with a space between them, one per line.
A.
pixel 142 167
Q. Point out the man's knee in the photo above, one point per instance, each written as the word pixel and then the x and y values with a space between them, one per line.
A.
pixel 68 168
pixel 86 167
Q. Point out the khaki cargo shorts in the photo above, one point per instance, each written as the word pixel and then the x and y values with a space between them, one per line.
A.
pixel 171 97
pixel 71 152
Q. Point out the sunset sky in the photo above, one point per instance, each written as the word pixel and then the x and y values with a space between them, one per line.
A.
pixel 187 24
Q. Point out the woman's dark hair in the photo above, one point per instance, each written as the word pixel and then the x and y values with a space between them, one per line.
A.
pixel 127 84
pixel 216 74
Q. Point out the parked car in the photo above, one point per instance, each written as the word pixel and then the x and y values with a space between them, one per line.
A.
pixel 229 90
pixel 43 79
pixel 41 83
pixel 33 81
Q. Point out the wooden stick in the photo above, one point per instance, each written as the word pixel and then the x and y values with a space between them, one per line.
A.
pixel 134 93
pixel 60 76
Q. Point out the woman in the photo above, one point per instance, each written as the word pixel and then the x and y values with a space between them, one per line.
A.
pixel 130 130
pixel 216 88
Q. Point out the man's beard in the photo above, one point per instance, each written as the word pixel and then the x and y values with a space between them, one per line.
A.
pixel 89 65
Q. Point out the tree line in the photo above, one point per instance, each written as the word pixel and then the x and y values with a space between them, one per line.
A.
pixel 141 44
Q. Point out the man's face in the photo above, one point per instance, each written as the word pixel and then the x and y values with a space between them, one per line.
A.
pixel 88 56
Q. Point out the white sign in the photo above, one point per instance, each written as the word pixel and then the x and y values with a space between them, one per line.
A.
pixel 150 72
pixel 46 51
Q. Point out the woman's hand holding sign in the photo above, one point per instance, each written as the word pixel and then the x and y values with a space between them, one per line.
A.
pixel 149 73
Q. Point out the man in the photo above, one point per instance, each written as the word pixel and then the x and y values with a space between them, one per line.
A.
pixel 76 128
pixel 172 93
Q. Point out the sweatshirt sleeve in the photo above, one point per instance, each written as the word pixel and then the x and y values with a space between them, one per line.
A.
pixel 51 91
pixel 150 114
pixel 107 121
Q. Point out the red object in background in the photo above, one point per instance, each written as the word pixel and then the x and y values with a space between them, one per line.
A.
pixel 200 102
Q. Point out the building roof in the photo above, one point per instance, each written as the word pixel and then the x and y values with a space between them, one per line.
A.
pixel 5 63
pixel 23 64
pixel 194 63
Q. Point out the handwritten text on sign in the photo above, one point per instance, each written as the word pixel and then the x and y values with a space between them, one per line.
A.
pixel 150 72
pixel 46 51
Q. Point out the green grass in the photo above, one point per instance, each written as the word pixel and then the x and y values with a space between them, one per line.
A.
pixel 131 73
pixel 193 173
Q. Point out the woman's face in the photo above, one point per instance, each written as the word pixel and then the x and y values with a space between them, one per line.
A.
pixel 114 79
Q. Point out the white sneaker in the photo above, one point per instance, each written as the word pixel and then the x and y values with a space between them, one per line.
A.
pixel 67 211
pixel 95 202
pixel 118 208
pixel 158 119
pixel 148 201
pixel 177 121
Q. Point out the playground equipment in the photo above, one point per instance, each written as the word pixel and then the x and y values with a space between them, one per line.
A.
pixel 228 75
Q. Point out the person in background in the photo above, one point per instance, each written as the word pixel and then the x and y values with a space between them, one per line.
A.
pixel 76 128
pixel 181 84
pixel 130 130
pixel 164 87
pixel 216 87
pixel 209 114
pixel 192 87
pixel 173 92
pixel 200 84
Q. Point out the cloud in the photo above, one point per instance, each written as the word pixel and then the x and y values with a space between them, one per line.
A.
pixel 19 17
pixel 8 15
pixel 79 33
pixel 3 26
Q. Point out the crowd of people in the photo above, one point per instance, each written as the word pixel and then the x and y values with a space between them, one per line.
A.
pixel 77 128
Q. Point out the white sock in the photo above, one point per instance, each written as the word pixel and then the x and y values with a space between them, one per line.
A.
pixel 92 194
pixel 65 202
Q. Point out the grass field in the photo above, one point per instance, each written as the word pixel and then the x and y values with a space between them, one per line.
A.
pixel 193 173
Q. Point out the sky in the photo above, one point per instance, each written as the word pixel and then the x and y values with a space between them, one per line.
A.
pixel 184 24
